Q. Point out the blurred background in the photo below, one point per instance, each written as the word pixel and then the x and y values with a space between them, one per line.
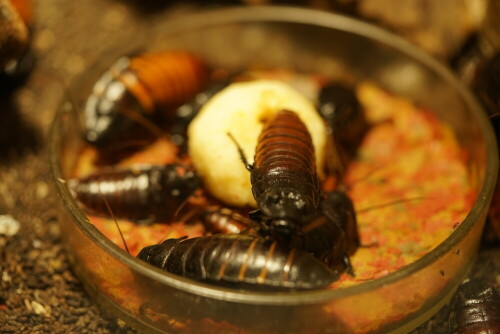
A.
pixel 45 45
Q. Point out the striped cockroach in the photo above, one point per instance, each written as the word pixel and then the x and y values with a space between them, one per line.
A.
pixel 146 193
pixel 346 124
pixel 239 260
pixel 218 219
pixel 475 308
pixel 134 88
pixel 283 176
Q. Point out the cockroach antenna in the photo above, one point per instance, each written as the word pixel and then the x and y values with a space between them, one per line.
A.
pixel 240 152
pixel 116 222
pixel 398 201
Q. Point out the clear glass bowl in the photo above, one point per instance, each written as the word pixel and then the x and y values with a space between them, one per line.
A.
pixel 305 40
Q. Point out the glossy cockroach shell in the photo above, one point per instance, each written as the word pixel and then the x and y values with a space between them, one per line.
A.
pixel 218 219
pixel 333 235
pixel 139 87
pixel 283 177
pixel 142 194
pixel 239 260
pixel 346 124
pixel 475 308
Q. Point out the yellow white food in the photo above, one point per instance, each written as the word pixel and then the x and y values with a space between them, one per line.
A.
pixel 241 109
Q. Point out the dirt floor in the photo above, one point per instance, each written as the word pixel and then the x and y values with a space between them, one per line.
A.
pixel 38 291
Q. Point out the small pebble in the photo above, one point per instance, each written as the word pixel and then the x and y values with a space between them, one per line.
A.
pixel 55 264
pixel 6 277
pixel 42 189
pixel 38 308
pixel 8 225
pixel 28 305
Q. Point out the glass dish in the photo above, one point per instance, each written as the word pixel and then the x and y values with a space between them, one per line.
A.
pixel 308 41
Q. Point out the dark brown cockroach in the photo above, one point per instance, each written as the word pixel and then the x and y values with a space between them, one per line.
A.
pixel 239 260
pixel 340 107
pixel 475 308
pixel 486 84
pixel 333 235
pixel 16 58
pixel 283 176
pixel 217 219
pixel 143 194
pixel 187 112
pixel 346 125
pixel 14 35
pixel 137 87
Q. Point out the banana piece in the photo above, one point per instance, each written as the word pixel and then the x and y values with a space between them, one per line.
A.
pixel 241 109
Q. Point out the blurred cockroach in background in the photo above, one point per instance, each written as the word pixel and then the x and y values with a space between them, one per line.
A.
pixel 16 57
pixel 218 219
pixel 18 134
pixel 346 125
pixel 139 87
pixel 486 84
pixel 187 112
pixel 477 309
pixel 14 35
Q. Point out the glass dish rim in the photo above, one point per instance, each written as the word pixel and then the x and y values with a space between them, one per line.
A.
pixel 284 14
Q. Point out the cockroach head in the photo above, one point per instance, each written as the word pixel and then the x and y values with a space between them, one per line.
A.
pixel 110 108
pixel 155 254
pixel 284 227
pixel 285 203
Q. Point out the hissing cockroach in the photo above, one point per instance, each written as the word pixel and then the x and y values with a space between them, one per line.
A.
pixel 217 219
pixel 187 111
pixel 144 194
pixel 333 235
pixel 283 177
pixel 239 260
pixel 475 308
pixel 16 60
pixel 346 124
pixel 486 84
pixel 340 107
pixel 136 87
